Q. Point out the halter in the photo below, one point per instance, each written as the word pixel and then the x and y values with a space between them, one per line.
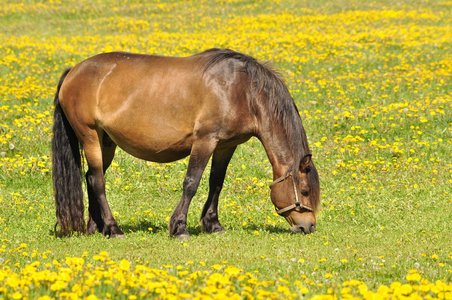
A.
pixel 297 205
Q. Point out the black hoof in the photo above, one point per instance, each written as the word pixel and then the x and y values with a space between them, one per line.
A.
pixel 113 232
pixel 178 228
pixel 223 231
pixel 184 236
pixel 214 228
pixel 117 236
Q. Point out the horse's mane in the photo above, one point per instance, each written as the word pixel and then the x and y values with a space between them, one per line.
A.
pixel 267 86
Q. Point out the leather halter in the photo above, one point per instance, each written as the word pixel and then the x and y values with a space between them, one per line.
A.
pixel 297 205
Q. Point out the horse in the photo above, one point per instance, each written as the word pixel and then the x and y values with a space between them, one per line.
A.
pixel 162 109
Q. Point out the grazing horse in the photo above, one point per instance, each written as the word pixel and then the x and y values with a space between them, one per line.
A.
pixel 162 109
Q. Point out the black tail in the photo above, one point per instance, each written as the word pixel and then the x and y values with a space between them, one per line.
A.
pixel 67 176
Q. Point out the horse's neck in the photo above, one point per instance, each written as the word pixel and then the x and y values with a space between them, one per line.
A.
pixel 278 148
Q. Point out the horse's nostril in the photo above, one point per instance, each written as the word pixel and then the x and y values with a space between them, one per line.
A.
pixel 312 227
pixel 307 229
pixel 304 228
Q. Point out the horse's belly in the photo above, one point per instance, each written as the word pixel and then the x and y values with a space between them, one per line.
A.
pixel 158 147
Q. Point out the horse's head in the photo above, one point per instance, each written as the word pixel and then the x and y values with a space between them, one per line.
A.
pixel 298 201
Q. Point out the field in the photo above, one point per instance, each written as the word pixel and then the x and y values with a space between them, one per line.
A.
pixel 373 83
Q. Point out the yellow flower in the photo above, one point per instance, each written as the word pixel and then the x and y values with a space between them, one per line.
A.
pixel 384 290
pixel 58 285
pixel 413 277
pixel 406 289
pixel 395 285
pixel 304 290
pixel 232 271
pixel 99 257
pixel 124 265
pixel 17 296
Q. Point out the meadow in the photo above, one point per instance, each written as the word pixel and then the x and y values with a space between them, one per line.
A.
pixel 373 83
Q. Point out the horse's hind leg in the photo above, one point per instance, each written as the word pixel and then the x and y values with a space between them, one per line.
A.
pixel 95 220
pixel 209 216
pixel 99 157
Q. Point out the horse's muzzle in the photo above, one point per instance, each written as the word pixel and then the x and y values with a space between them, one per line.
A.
pixel 303 229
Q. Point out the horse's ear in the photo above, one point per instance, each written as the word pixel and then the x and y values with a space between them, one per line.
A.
pixel 305 161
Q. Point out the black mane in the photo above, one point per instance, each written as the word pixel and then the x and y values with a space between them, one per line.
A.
pixel 267 86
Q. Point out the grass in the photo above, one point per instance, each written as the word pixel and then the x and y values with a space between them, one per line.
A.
pixel 372 81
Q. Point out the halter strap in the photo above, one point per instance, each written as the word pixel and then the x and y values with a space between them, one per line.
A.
pixel 297 205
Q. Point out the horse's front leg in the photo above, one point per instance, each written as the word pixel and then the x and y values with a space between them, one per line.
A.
pixel 209 216
pixel 199 157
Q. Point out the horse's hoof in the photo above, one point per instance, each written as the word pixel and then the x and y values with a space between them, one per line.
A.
pixel 114 233
pixel 118 236
pixel 183 236
pixel 212 228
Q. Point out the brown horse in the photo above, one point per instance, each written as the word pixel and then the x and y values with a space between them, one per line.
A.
pixel 163 109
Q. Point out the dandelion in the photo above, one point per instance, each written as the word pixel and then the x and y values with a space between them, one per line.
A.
pixel 124 265
pixel 232 271
pixel 413 277
pixel 58 285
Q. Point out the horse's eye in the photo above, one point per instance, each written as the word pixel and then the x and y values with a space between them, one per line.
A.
pixel 305 193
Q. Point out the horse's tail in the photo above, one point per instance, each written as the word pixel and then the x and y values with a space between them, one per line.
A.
pixel 67 175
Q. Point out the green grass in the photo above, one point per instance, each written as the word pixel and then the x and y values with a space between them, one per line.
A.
pixel 372 81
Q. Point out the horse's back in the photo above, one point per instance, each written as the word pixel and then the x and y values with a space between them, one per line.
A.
pixel 154 107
